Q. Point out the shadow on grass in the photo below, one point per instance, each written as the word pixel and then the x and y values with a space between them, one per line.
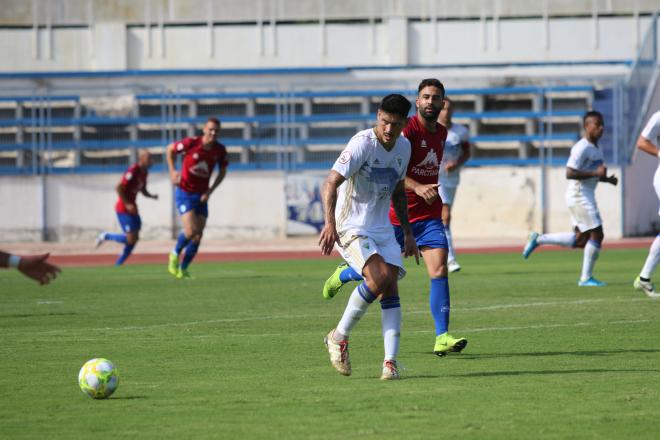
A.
pixel 127 397
pixel 548 372
pixel 550 353
pixel 32 315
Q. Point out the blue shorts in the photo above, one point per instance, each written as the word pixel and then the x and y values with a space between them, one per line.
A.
pixel 187 201
pixel 428 233
pixel 129 222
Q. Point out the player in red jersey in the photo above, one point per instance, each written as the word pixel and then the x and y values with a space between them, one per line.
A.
pixel 133 181
pixel 427 138
pixel 200 155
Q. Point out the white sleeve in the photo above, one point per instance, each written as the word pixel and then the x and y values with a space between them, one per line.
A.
pixel 576 158
pixel 652 129
pixel 465 135
pixel 352 158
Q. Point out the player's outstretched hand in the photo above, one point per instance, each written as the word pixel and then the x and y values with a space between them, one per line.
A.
pixel 175 177
pixel 37 268
pixel 428 192
pixel 613 180
pixel 205 197
pixel 451 165
pixel 328 238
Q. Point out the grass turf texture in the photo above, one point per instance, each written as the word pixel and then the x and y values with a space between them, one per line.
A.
pixel 238 353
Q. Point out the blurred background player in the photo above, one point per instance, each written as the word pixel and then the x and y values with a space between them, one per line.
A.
pixel 648 142
pixel 356 198
pixel 584 169
pixel 427 138
pixel 200 155
pixel 133 181
pixel 456 153
pixel 35 267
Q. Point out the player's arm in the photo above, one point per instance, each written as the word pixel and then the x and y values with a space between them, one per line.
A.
pixel 148 194
pixel 647 146
pixel 329 235
pixel 465 153
pixel 429 192
pixel 216 182
pixel 600 172
pixel 32 266
pixel 170 155
pixel 400 204
pixel 121 192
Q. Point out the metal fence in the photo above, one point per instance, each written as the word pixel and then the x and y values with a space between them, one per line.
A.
pixel 636 90
pixel 271 126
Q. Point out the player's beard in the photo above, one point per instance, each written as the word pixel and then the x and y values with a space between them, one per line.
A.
pixel 430 117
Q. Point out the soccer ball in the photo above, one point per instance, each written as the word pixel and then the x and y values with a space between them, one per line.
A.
pixel 98 378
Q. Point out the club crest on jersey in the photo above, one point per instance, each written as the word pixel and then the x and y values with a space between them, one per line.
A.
pixel 429 166
pixel 344 157
pixel 200 169
pixel 195 156
pixel 423 144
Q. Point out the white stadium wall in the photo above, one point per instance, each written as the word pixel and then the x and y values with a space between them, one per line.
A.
pixel 491 202
pixel 247 205
pixel 393 42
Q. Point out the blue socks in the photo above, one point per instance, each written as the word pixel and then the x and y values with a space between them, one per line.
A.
pixel 181 242
pixel 119 238
pixel 349 274
pixel 124 255
pixel 439 303
pixel 191 251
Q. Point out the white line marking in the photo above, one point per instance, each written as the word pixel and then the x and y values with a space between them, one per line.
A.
pixel 50 302
pixel 334 315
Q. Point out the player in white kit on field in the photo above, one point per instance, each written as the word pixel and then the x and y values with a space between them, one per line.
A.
pixel 584 169
pixel 456 153
pixel 356 195
pixel 648 142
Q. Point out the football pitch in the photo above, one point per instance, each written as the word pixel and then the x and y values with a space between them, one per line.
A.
pixel 237 353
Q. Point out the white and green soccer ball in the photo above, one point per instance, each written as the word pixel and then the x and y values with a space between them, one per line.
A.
pixel 98 378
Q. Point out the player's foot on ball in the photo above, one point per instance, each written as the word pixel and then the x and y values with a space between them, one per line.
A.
pixel 591 282
pixel 532 243
pixel 338 351
pixel 333 284
pixel 446 343
pixel 390 371
pixel 453 266
pixel 183 274
pixel 99 240
pixel 173 264
pixel 647 287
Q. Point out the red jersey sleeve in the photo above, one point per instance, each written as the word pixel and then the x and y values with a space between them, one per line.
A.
pixel 184 145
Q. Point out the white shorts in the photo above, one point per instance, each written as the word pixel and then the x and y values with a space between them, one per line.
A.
pixel 584 214
pixel 357 249
pixel 656 184
pixel 447 194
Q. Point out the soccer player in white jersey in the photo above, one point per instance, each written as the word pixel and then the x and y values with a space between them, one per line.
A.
pixel 648 143
pixel 356 200
pixel 456 153
pixel 584 169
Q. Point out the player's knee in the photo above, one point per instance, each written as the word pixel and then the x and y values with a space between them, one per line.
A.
pixel 438 272
pixel 131 239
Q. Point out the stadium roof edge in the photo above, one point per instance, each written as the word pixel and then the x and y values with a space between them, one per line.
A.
pixel 292 70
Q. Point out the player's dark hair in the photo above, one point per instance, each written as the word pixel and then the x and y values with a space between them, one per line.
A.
pixel 214 120
pixel 431 82
pixel 592 114
pixel 395 104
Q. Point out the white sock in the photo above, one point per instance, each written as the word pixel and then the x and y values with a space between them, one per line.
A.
pixel 391 324
pixel 357 306
pixel 450 245
pixel 591 252
pixel 566 239
pixel 652 260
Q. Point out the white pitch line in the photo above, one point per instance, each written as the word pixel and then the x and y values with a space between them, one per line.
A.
pixel 286 317
pixel 50 302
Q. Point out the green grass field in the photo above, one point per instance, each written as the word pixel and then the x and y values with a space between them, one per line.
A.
pixel 237 353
